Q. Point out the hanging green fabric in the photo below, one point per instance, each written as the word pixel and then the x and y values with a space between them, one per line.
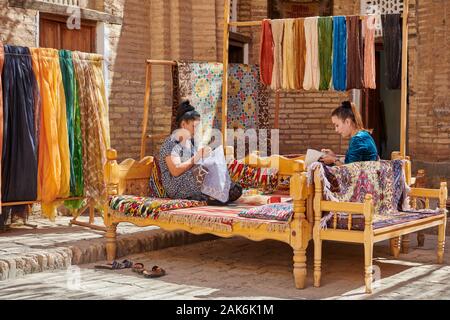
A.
pixel 73 128
pixel 325 27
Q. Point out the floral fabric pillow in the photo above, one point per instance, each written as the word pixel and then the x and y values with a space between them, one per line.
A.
pixel 250 177
pixel 272 211
pixel 156 187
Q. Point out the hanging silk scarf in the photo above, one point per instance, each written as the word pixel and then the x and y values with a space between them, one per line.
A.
pixel 94 122
pixel 54 154
pixel 243 82
pixel 201 83
pixel 369 52
pixel 301 51
pixel 277 72
pixel 339 54
pixel 73 127
pixel 289 56
pixel 392 39
pixel 355 66
pixel 2 58
pixel 266 53
pixel 325 29
pixel 312 68
pixel 19 157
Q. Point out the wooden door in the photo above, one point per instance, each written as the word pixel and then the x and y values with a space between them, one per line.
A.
pixel 54 33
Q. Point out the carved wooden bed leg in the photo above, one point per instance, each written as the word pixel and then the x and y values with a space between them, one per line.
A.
pixel 299 226
pixel 441 244
pixel 316 231
pixel 395 244
pixel 317 263
pixel 111 244
pixel 368 242
pixel 368 266
pixel 405 243
pixel 441 229
pixel 300 268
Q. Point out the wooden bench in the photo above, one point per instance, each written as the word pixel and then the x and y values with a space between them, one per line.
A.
pixel 370 235
pixel 134 175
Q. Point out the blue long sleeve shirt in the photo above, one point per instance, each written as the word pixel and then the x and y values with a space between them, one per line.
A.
pixel 361 148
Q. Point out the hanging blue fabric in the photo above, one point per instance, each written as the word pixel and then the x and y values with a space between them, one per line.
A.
pixel 339 53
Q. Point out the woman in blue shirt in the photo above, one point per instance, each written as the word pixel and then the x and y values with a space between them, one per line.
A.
pixel 348 123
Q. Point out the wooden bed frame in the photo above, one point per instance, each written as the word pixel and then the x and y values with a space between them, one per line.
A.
pixel 369 235
pixel 297 234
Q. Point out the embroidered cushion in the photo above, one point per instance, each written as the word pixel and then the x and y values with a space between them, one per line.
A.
pixel 250 177
pixel 156 189
pixel 272 211
pixel 148 207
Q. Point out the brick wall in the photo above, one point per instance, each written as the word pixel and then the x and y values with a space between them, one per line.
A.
pixel 193 29
pixel 429 89
pixel 131 46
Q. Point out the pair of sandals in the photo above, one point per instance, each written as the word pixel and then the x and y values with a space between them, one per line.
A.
pixel 138 267
pixel 155 272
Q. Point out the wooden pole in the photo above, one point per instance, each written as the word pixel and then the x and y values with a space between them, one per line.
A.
pixel 226 35
pixel 19 203
pixel 245 23
pixel 148 80
pixel 404 84
pixel 162 62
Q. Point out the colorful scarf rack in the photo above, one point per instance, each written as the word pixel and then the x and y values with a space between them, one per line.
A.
pixel 56 127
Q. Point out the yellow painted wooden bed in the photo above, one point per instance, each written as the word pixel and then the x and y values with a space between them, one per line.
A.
pixel 134 175
pixel 370 235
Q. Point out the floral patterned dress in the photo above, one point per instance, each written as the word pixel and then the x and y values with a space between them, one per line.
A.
pixel 185 185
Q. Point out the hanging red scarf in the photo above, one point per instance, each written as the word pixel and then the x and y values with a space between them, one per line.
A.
pixel 266 52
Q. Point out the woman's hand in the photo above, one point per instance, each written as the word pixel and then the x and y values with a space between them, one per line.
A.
pixel 328 159
pixel 202 153
pixel 328 152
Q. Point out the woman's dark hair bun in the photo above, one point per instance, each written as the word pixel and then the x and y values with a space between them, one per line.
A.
pixel 186 111
pixel 346 104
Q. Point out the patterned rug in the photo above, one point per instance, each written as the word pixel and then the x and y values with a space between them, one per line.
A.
pixel 201 83
pixel 244 97
pixel 191 213
pixel 384 180
pixel 148 207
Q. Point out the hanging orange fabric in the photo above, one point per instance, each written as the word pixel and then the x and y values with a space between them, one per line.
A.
pixel 266 53
pixel 369 51
pixel 54 154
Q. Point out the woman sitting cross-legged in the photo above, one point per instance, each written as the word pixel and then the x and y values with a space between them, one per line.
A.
pixel 179 160
pixel 348 123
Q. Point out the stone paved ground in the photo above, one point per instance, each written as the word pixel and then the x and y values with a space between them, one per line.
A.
pixel 54 245
pixel 241 269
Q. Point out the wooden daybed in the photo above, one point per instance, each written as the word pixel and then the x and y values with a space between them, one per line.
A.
pixel 134 175
pixel 368 233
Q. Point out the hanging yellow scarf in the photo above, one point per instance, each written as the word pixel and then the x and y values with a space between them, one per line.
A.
pixel 54 155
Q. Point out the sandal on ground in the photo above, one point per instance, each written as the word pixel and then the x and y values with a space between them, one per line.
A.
pixel 154 273
pixel 138 268
pixel 115 265
pixel 127 263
